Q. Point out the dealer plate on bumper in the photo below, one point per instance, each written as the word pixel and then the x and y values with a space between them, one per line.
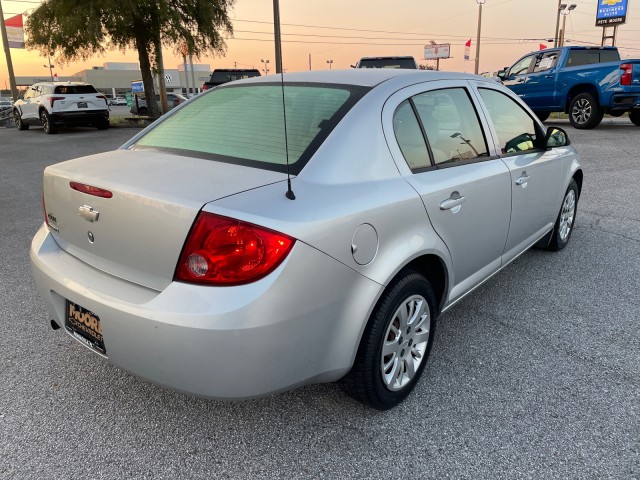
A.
pixel 85 326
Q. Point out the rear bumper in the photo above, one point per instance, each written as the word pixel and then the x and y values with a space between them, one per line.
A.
pixel 625 101
pixel 301 324
pixel 89 117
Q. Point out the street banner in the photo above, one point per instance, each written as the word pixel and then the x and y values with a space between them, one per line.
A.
pixel 467 50
pixel 15 31
pixel 611 12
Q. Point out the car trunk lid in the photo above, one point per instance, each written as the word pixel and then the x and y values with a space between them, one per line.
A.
pixel 137 234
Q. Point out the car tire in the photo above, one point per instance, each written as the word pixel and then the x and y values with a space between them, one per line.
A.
pixel 566 218
pixel 585 112
pixel 18 121
pixel 45 119
pixel 542 115
pixel 395 345
pixel 102 125
pixel 634 116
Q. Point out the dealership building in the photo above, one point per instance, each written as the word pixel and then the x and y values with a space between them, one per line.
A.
pixel 114 78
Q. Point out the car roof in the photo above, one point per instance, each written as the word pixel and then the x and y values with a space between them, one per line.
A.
pixel 365 77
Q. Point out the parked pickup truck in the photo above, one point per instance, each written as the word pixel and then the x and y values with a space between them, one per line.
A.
pixel 585 82
pixel 224 75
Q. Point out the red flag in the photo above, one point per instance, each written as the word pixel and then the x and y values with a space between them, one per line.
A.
pixel 467 50
pixel 15 31
pixel 55 77
pixel 542 46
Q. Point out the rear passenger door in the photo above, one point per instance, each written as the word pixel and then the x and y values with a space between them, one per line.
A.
pixel 464 187
pixel 536 173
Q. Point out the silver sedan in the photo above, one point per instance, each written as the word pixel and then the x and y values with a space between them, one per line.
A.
pixel 273 233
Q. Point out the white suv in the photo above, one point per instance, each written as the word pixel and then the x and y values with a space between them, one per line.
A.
pixel 55 104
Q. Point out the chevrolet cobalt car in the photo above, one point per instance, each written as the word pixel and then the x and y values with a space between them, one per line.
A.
pixel 276 232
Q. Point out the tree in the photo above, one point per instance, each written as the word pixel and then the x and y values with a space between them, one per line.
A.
pixel 78 29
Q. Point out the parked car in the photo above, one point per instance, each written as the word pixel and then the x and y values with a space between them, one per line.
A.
pixel 387 62
pixel 5 104
pixel 173 100
pixel 55 104
pixel 219 254
pixel 224 75
pixel 118 101
pixel 585 82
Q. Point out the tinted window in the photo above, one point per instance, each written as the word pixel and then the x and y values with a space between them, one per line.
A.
pixel 451 125
pixel 223 76
pixel 545 61
pixel 515 128
pixel 244 124
pixel 387 63
pixel 75 89
pixel 410 138
pixel 609 56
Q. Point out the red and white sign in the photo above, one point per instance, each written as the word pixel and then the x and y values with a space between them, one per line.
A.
pixel 467 50
pixel 433 52
pixel 15 31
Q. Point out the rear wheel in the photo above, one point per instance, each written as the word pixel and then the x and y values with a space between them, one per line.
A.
pixel 102 125
pixel 567 216
pixel 585 112
pixel 542 115
pixel 49 127
pixel 18 121
pixel 395 344
pixel 634 115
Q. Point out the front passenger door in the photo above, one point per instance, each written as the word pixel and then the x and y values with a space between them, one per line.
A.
pixel 517 76
pixel 536 173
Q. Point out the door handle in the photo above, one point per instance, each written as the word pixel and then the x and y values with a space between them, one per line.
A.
pixel 520 80
pixel 453 203
pixel 523 180
pixel 548 76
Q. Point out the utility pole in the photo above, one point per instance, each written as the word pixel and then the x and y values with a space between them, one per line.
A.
pixel 560 8
pixel 480 3
pixel 276 32
pixel 7 52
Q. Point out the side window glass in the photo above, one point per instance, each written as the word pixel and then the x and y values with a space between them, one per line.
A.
pixel 451 124
pixel 515 128
pixel 521 67
pixel 409 137
pixel 545 62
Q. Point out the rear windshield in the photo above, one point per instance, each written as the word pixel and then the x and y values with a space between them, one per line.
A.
pixel 224 76
pixel 244 124
pixel 74 89
pixel 387 63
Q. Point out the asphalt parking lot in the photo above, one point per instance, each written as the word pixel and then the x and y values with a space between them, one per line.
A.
pixel 534 375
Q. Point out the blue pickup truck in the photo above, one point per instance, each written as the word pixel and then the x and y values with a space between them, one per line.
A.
pixel 585 82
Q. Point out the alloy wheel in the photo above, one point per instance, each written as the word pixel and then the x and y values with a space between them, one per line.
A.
pixel 567 214
pixel 581 111
pixel 405 342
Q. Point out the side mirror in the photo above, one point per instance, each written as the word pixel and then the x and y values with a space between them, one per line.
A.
pixel 556 137
pixel 502 74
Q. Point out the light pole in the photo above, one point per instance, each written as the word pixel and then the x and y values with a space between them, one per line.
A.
pixel 276 34
pixel 330 62
pixel 49 66
pixel 265 66
pixel 480 3
pixel 565 13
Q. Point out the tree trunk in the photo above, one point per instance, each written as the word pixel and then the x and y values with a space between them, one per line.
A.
pixel 157 45
pixel 147 78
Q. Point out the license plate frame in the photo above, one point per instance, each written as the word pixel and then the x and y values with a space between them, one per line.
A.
pixel 85 326
pixel 82 105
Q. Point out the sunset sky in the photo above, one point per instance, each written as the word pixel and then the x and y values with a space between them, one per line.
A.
pixel 345 30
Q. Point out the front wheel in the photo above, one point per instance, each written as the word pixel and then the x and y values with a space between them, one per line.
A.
pixel 585 112
pixel 395 345
pixel 18 121
pixel 49 128
pixel 567 216
pixel 634 116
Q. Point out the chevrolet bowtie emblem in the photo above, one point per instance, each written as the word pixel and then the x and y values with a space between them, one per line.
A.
pixel 611 2
pixel 88 213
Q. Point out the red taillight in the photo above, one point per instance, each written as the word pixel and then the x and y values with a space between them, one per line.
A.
pixel 53 99
pixel 90 190
pixel 223 251
pixel 627 70
pixel 204 87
